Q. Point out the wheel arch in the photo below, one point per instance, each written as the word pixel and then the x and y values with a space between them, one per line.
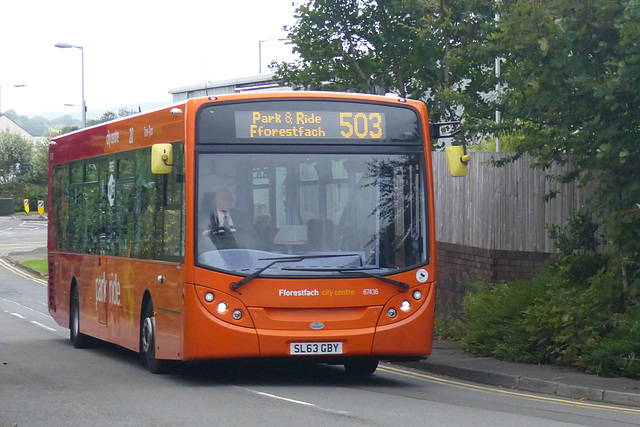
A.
pixel 146 299
pixel 73 287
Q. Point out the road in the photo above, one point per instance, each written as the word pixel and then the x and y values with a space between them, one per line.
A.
pixel 22 234
pixel 45 381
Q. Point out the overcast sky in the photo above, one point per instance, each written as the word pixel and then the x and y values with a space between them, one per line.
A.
pixel 134 50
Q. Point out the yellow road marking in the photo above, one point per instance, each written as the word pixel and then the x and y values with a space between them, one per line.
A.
pixel 488 389
pixel 21 273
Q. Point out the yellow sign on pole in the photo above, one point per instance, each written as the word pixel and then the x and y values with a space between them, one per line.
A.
pixel 26 206
pixel 41 207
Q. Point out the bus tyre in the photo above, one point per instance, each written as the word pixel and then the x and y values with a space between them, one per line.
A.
pixel 148 343
pixel 361 367
pixel 78 339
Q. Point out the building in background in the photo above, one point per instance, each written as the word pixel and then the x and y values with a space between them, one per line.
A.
pixel 7 123
pixel 262 83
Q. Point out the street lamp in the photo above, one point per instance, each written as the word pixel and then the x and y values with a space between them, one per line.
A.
pixel 83 105
pixel 1 86
pixel 260 51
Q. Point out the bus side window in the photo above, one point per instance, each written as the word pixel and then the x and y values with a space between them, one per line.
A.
pixel 173 208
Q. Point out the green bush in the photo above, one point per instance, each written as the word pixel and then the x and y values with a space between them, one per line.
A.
pixel 618 352
pixel 575 308
pixel 494 321
pixel 578 233
pixel 447 327
pixel 18 191
pixel 573 312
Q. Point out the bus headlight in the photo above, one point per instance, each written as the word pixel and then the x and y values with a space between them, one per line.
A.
pixel 417 295
pixel 391 313
pixel 237 314
pixel 208 297
pixel 222 307
pixel 405 306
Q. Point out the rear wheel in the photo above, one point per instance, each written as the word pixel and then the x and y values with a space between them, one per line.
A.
pixel 148 343
pixel 361 367
pixel 78 339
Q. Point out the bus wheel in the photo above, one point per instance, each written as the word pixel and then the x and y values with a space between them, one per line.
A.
pixel 148 343
pixel 78 339
pixel 361 367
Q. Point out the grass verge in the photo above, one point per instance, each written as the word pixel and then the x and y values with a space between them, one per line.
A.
pixel 40 265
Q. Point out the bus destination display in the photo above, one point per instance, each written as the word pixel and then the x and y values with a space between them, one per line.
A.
pixel 310 124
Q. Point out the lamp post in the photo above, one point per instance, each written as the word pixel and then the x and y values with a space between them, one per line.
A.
pixel 84 105
pixel 260 51
pixel 1 86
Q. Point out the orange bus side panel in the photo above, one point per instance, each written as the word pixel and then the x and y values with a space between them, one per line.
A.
pixel 111 292
pixel 131 279
pixel 84 270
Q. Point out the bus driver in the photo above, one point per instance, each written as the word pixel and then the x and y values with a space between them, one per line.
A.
pixel 224 219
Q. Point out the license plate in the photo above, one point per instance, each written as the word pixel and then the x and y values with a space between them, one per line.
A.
pixel 314 348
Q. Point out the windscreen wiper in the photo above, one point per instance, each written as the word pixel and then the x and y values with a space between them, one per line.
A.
pixel 235 285
pixel 402 285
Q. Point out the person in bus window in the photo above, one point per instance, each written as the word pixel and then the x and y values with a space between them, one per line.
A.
pixel 225 221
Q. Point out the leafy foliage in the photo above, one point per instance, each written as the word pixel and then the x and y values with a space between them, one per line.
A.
pixel 494 323
pixel 508 143
pixel 23 169
pixel 110 115
pixel 579 234
pixel 426 50
pixel 40 126
pixel 15 157
pixel 571 72
pixel 571 313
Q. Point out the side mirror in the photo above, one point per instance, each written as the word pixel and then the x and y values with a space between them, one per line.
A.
pixel 457 160
pixel 161 158
pixel 444 129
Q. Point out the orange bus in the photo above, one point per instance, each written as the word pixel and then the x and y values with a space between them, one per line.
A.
pixel 265 225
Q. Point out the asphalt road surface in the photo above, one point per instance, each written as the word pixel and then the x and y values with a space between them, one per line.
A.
pixel 18 235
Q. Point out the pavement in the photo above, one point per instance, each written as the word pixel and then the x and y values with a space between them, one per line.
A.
pixel 450 360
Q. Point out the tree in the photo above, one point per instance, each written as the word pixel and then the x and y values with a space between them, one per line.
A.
pixel 110 115
pixel 40 164
pixel 36 126
pixel 428 50
pixel 571 70
pixel 336 52
pixel 15 157
pixel 105 117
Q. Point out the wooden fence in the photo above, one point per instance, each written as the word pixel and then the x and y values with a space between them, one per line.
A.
pixel 501 208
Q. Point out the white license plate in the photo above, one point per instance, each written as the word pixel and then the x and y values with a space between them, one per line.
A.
pixel 313 348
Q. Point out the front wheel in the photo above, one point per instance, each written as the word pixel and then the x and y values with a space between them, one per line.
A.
pixel 148 343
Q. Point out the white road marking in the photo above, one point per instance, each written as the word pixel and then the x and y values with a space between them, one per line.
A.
pixel 44 326
pixel 298 402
